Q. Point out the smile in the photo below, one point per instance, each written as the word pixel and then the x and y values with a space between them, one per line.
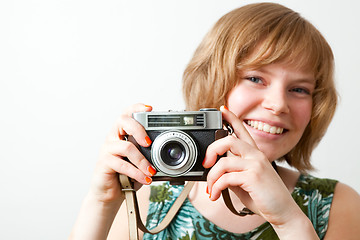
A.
pixel 261 126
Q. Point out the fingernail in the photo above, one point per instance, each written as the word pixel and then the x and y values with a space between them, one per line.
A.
pixel 148 180
pixel 225 107
pixel 210 197
pixel 203 162
pixel 207 189
pixel 148 106
pixel 148 140
pixel 151 170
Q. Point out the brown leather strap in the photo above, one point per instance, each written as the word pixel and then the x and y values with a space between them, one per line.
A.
pixel 226 196
pixel 135 221
pixel 133 208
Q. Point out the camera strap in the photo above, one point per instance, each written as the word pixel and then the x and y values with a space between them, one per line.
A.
pixel 133 212
pixel 134 219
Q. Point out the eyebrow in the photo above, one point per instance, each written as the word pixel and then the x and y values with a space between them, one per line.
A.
pixel 306 80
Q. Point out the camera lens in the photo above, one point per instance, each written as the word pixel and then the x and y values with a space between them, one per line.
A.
pixel 172 153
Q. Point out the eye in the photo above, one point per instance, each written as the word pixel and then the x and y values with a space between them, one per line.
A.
pixel 255 79
pixel 301 91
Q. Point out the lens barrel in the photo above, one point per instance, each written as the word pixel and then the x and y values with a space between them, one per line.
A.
pixel 174 153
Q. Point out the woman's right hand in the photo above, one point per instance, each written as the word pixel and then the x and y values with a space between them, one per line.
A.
pixel 105 185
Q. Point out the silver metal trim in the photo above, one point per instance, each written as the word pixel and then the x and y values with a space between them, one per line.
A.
pixel 212 119
pixel 188 174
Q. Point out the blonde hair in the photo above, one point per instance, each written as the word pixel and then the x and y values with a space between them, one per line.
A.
pixel 257 35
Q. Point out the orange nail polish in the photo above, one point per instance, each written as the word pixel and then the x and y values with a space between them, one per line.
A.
pixel 203 162
pixel 151 170
pixel 148 140
pixel 148 106
pixel 225 107
pixel 207 190
pixel 148 180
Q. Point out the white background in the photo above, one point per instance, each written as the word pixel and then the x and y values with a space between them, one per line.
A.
pixel 69 68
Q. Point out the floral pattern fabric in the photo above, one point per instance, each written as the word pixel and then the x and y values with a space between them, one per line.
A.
pixel 313 195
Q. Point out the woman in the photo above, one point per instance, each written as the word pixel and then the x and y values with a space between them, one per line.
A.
pixel 271 74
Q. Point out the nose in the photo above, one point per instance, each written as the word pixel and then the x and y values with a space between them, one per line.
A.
pixel 275 100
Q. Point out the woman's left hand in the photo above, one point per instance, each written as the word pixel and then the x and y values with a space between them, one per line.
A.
pixel 249 174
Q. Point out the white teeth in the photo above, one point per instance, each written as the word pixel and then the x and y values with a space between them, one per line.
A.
pixel 265 127
pixel 260 126
pixel 273 130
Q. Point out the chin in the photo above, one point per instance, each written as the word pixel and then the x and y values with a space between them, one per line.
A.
pixel 271 155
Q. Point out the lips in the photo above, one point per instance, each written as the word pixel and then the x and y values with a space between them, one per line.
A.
pixel 261 126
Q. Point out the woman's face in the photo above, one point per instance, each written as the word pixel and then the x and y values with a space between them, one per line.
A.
pixel 275 104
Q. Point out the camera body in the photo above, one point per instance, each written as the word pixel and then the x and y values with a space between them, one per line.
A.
pixel 179 142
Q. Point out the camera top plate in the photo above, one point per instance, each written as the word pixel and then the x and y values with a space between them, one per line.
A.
pixel 205 119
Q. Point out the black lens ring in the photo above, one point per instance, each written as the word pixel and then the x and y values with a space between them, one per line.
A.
pixel 170 148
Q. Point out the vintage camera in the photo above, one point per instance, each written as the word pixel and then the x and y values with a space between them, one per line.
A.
pixel 179 142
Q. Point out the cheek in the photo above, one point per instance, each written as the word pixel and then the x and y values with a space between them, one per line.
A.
pixel 302 114
pixel 239 100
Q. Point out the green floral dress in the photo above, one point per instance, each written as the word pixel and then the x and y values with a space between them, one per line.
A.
pixel 313 195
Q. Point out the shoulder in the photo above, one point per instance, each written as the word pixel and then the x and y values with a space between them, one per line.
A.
pixel 344 219
pixel 313 185
pixel 307 185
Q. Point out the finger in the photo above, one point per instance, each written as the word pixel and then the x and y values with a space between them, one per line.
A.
pixel 232 179
pixel 127 115
pixel 129 126
pixel 123 167
pixel 221 146
pixel 138 107
pixel 132 153
pixel 238 125
pixel 251 176
pixel 126 125
pixel 222 166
